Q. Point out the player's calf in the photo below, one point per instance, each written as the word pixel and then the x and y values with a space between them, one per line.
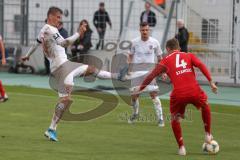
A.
pixel 60 108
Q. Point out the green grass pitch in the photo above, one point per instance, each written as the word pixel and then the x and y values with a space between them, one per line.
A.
pixel 27 114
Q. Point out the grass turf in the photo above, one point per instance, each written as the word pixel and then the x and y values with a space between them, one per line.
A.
pixel 27 114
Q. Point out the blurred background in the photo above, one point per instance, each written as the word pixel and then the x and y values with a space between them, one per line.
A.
pixel 213 26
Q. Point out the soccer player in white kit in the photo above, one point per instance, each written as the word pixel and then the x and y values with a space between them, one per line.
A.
pixel 63 70
pixel 141 59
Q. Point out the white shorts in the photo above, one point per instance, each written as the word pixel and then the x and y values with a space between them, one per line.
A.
pixel 62 78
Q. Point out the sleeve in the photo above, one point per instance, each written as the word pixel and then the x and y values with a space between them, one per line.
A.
pixel 35 45
pixel 33 48
pixel 154 73
pixel 108 18
pixel 95 19
pixel 40 36
pixel 65 42
pixel 197 63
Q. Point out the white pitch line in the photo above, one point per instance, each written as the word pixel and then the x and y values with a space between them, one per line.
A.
pixel 55 97
pixel 39 95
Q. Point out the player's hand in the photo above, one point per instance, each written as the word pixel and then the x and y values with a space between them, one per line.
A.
pixel 25 58
pixel 213 87
pixel 3 61
pixel 136 90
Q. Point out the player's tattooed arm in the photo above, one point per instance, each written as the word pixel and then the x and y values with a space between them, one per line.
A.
pixel 31 50
pixel 70 40
pixel 66 42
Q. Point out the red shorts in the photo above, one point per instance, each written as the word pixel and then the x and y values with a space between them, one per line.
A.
pixel 178 104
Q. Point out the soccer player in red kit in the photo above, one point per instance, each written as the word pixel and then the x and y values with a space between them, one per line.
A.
pixel 3 95
pixel 179 66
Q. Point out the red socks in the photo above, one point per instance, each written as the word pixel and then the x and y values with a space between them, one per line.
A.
pixel 206 117
pixel 176 127
pixel 2 92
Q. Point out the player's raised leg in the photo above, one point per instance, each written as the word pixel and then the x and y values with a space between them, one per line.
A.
pixel 91 70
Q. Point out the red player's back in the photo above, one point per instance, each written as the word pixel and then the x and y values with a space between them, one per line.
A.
pixel 181 72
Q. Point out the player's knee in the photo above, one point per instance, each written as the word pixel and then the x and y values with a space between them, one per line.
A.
pixel 64 102
pixel 153 95
pixel 134 98
pixel 65 99
pixel 156 100
pixel 176 118
pixel 205 108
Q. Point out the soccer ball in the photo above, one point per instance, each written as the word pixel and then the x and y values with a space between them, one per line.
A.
pixel 212 148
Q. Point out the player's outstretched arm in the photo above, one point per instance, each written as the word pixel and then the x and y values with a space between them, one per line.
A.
pixel 70 40
pixel 155 72
pixel 197 63
pixel 31 51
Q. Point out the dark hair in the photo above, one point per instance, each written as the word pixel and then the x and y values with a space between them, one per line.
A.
pixel 143 24
pixel 54 10
pixel 87 27
pixel 101 4
pixel 172 44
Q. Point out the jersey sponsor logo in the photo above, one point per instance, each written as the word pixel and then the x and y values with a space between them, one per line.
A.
pixel 150 47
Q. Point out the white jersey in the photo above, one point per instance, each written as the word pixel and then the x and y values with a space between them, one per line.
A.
pixel 145 51
pixel 50 39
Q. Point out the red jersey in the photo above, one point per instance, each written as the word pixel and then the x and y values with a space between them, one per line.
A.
pixel 179 66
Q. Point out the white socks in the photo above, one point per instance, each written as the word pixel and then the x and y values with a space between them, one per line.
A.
pixel 104 74
pixel 135 105
pixel 53 124
pixel 158 107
